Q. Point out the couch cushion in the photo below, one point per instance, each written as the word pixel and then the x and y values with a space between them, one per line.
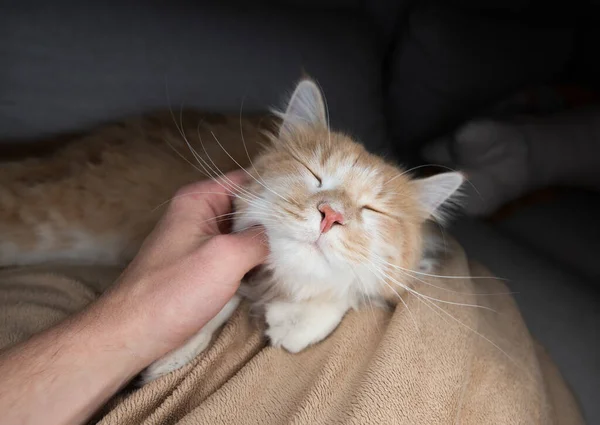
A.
pixel 449 62
pixel 560 309
pixel 562 228
pixel 67 66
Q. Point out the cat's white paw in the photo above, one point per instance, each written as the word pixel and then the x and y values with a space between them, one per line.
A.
pixel 296 326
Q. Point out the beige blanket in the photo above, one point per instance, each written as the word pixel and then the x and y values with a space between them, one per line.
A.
pixel 428 362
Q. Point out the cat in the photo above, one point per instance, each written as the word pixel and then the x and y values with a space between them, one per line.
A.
pixel 343 225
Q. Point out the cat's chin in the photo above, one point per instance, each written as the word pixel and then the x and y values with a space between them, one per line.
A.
pixel 317 247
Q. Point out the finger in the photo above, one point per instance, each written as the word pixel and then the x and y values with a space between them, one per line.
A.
pixel 218 191
pixel 202 202
pixel 225 190
pixel 235 254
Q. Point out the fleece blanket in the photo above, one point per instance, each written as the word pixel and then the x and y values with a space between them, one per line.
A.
pixel 433 360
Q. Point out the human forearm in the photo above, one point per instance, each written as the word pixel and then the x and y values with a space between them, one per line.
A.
pixel 63 375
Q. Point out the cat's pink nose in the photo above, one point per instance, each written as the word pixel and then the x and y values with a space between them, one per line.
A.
pixel 329 217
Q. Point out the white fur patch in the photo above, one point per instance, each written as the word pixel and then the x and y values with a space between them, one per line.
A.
pixel 295 326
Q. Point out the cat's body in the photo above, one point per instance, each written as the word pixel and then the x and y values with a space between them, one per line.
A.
pixel 344 227
pixel 94 200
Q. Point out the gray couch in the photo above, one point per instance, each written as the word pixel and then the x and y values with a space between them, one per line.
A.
pixel 395 73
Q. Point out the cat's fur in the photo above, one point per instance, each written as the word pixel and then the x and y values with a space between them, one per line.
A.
pixel 93 202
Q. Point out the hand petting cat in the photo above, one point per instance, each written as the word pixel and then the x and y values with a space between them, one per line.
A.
pixel 184 274
pixel 189 267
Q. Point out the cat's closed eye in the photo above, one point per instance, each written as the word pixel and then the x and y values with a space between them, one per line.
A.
pixel 372 209
pixel 317 178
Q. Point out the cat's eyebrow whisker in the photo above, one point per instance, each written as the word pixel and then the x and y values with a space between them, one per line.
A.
pixel 246 171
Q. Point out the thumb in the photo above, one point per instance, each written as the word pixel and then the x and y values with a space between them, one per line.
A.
pixel 234 255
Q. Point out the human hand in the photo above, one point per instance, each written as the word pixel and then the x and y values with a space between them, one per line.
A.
pixel 186 271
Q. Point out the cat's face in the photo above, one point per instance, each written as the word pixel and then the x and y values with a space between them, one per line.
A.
pixel 335 215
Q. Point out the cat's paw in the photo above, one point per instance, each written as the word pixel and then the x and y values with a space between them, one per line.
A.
pixel 296 326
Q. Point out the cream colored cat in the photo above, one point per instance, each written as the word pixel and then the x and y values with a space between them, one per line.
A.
pixel 343 225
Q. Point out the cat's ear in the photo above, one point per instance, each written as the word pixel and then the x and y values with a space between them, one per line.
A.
pixel 305 107
pixel 435 191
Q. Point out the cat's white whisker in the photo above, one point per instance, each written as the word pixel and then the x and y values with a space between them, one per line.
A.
pixel 411 274
pixel 440 276
pixel 273 214
pixel 204 164
pixel 185 159
pixel 404 303
pixel 411 290
pixel 365 297
pixel 431 303
pixel 222 176
pixel 220 173
pixel 197 157
pixel 246 171
pixel 514 361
